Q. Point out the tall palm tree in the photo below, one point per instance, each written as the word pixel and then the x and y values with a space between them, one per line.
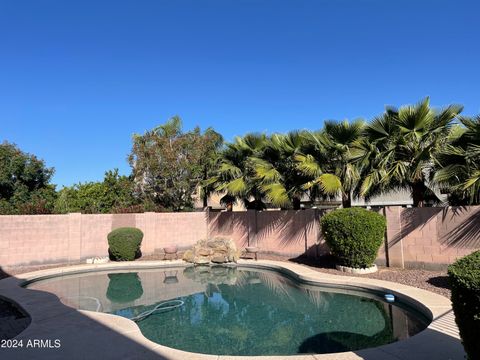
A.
pixel 212 143
pixel 459 163
pixel 332 160
pixel 235 175
pixel 402 147
pixel 277 171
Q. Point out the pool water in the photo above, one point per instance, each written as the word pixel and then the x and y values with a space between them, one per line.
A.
pixel 234 311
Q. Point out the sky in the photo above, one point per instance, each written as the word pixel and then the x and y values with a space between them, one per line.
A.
pixel 79 78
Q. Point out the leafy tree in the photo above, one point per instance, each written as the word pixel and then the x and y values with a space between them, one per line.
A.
pixel 24 182
pixel 169 164
pixel 459 163
pixel 403 145
pixel 114 194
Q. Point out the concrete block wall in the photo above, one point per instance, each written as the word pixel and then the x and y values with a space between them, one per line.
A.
pixel 288 232
pixel 434 237
pixel 49 239
pixel 415 237
pixel 429 238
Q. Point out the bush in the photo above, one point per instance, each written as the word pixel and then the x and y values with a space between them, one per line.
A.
pixel 354 235
pixel 464 277
pixel 124 243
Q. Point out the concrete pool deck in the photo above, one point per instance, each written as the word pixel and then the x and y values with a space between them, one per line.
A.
pixel 91 335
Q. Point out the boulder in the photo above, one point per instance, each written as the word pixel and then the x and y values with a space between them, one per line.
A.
pixel 188 256
pixel 217 250
pixel 204 252
pixel 201 260
pixel 218 259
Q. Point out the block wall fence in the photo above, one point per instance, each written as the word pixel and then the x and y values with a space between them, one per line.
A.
pixel 427 238
pixel 72 238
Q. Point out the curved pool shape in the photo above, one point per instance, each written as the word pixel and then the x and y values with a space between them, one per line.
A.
pixel 226 310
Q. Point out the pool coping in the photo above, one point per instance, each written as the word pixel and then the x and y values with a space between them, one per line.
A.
pixel 440 340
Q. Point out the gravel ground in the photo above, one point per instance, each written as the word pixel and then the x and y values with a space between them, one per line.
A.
pixel 435 281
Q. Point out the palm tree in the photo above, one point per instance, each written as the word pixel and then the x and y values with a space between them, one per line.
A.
pixel 459 163
pixel 332 160
pixel 402 147
pixel 235 175
pixel 212 143
pixel 277 171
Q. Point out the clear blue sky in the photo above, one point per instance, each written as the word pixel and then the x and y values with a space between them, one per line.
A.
pixel 78 78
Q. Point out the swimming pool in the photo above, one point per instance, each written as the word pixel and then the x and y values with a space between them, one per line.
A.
pixel 227 310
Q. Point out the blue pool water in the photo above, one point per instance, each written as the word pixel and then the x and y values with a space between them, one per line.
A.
pixel 235 311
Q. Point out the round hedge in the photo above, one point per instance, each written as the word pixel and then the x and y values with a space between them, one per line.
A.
pixel 354 235
pixel 124 243
pixel 464 277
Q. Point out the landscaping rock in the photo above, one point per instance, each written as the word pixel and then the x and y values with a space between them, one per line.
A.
pixel 188 256
pixel 352 270
pixel 219 259
pixel 201 260
pixel 204 252
pixel 217 250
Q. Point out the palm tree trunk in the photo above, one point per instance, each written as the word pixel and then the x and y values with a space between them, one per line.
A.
pixel 347 200
pixel 418 194
pixel 205 192
pixel 296 203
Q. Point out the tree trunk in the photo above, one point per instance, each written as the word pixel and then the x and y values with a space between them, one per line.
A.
pixel 205 200
pixel 347 200
pixel 296 203
pixel 205 192
pixel 230 206
pixel 418 194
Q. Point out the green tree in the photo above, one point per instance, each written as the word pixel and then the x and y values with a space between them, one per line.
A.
pixel 169 164
pixel 114 194
pixel 24 182
pixel 332 161
pixel 236 177
pixel 402 148
pixel 459 163
pixel 276 169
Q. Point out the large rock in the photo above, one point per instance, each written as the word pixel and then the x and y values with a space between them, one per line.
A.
pixel 217 250
pixel 204 252
pixel 219 259
pixel 188 256
pixel 201 260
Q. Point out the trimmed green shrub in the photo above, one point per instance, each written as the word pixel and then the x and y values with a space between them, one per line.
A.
pixel 354 235
pixel 124 243
pixel 464 277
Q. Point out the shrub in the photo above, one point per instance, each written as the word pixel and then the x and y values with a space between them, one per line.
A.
pixel 354 235
pixel 124 243
pixel 464 277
